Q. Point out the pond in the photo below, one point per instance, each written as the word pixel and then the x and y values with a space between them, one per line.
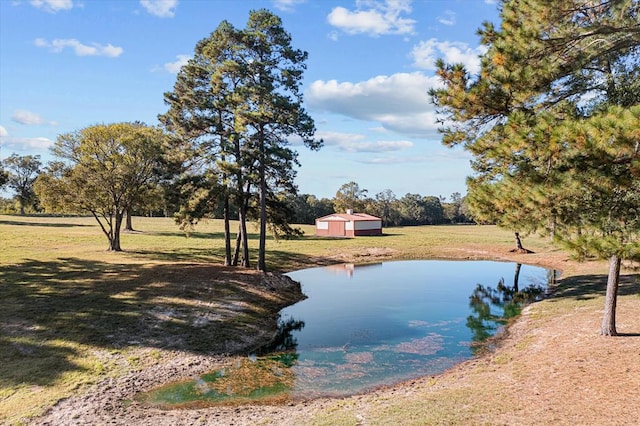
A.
pixel 362 327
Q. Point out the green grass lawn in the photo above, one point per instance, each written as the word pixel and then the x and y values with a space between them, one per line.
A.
pixel 65 301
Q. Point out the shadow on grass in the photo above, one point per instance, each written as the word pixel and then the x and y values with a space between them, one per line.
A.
pixel 46 224
pixel 587 287
pixel 52 313
pixel 277 260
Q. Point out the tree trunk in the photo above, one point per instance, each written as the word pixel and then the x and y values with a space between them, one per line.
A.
pixel 128 227
pixel 519 248
pixel 236 253
pixel 262 266
pixel 609 320
pixel 114 241
pixel 244 240
pixel 227 232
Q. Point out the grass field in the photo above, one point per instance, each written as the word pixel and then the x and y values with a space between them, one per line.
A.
pixel 72 313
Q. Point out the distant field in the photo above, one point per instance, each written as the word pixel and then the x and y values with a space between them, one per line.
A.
pixel 160 240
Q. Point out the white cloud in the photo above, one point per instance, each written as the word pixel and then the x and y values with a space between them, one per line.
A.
pixel 399 102
pixel 449 18
pixel 286 5
pixel 427 52
pixel 353 142
pixel 160 8
pixel 30 118
pixel 19 144
pixel 441 157
pixel 174 67
pixel 3 132
pixel 374 18
pixel 95 49
pixel 52 6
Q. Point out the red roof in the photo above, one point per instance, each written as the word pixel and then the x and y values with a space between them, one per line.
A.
pixel 352 217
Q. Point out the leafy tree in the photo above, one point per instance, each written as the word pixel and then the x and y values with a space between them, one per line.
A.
pixel 105 169
pixel 418 210
pixel 385 205
pixel 21 172
pixel 306 208
pixel 455 210
pixel 433 210
pixel 4 177
pixel 552 122
pixel 350 197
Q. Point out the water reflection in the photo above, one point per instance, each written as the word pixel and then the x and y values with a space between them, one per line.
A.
pixel 493 307
pixel 349 269
pixel 362 327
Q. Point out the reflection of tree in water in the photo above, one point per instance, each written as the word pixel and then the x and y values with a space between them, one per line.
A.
pixel 493 307
pixel 284 340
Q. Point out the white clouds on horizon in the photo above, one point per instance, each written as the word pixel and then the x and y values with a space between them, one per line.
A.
pixel 80 49
pixel 443 156
pixel 29 118
pixel 160 8
pixel 20 144
pixel 426 53
pixel 52 6
pixel 354 142
pixel 399 102
pixel 374 18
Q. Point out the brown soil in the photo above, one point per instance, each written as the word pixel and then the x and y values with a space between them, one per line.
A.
pixel 549 367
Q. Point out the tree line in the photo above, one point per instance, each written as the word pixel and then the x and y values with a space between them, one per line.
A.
pixel 158 196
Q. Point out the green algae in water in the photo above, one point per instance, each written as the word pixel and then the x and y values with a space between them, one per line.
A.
pixel 250 380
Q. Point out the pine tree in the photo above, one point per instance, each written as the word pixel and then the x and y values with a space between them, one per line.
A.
pixel 552 122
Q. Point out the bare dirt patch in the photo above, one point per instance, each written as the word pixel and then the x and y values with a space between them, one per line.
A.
pixel 550 367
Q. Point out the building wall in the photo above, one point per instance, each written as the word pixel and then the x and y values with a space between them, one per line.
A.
pixel 339 228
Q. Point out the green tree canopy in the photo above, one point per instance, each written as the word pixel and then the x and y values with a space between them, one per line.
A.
pixel 104 170
pixel 20 173
pixel 552 122
pixel 350 197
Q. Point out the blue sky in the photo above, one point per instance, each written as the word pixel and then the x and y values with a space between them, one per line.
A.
pixel 68 64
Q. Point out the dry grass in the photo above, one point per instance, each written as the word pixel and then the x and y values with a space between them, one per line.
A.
pixel 72 314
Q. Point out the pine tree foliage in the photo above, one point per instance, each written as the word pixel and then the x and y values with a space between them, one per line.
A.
pixel 234 108
pixel 552 120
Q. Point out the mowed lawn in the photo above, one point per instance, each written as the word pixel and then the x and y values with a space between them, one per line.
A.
pixel 65 301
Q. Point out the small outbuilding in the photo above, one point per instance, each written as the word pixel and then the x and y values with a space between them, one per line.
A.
pixel 348 224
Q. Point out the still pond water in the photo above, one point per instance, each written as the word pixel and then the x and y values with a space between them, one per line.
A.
pixel 366 326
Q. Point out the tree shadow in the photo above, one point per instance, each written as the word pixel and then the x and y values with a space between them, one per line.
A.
pixel 45 224
pixel 587 287
pixel 52 313
pixel 194 235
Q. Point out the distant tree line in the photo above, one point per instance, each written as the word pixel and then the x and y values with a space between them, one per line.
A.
pixel 162 196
